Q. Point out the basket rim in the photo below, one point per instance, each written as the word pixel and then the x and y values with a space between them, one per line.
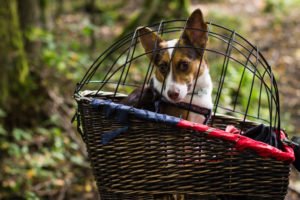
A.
pixel 241 142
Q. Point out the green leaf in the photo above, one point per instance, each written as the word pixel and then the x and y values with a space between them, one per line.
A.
pixel 2 113
pixel 31 196
pixel 20 134
pixel 58 155
pixel 14 150
pixel 77 160
pixel 2 130
pixel 87 30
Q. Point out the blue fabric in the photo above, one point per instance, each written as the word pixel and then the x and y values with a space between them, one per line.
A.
pixel 108 136
pixel 120 112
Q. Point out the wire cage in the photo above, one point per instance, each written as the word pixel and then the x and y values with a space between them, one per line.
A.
pixel 139 153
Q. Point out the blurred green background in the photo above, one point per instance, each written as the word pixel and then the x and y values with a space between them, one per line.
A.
pixel 47 46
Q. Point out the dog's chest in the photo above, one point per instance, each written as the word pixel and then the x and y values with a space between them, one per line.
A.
pixel 200 99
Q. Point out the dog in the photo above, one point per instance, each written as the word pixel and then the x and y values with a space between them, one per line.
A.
pixel 179 70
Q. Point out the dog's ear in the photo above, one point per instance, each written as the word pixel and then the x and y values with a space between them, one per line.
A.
pixel 150 40
pixel 196 30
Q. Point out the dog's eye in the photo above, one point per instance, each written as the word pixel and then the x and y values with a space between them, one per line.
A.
pixel 183 66
pixel 163 68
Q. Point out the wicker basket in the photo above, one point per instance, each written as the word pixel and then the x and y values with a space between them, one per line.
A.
pixel 155 158
pixel 139 154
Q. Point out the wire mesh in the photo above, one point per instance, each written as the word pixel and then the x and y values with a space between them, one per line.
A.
pixel 244 85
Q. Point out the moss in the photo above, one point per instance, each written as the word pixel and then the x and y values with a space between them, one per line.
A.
pixel 15 67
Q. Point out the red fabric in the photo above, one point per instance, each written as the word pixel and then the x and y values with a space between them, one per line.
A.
pixel 286 147
pixel 243 142
pixel 232 129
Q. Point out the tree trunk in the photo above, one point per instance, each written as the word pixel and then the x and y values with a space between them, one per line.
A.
pixel 43 6
pixel 92 14
pixel 21 90
pixel 29 17
pixel 59 8
pixel 14 69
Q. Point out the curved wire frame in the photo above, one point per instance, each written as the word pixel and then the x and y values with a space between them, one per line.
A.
pixel 234 64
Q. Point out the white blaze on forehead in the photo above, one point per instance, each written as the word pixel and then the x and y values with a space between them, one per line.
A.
pixel 171 44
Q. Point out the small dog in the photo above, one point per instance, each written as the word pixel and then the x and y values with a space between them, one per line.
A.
pixel 178 69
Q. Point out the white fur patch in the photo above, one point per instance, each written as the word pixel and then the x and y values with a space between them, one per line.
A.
pixel 157 84
pixel 204 99
pixel 171 45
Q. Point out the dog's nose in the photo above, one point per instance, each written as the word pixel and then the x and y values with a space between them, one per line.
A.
pixel 173 94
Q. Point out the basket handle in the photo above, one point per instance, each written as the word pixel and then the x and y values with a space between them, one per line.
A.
pixel 76 117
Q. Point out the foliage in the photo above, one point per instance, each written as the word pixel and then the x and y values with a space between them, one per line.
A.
pixel 39 162
pixel 231 22
pixel 149 13
pixel 41 156
pixel 276 6
pixel 239 99
pixel 67 59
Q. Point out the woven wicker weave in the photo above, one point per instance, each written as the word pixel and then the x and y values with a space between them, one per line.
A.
pixel 156 160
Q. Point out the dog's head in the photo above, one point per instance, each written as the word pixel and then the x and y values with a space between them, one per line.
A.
pixel 176 65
